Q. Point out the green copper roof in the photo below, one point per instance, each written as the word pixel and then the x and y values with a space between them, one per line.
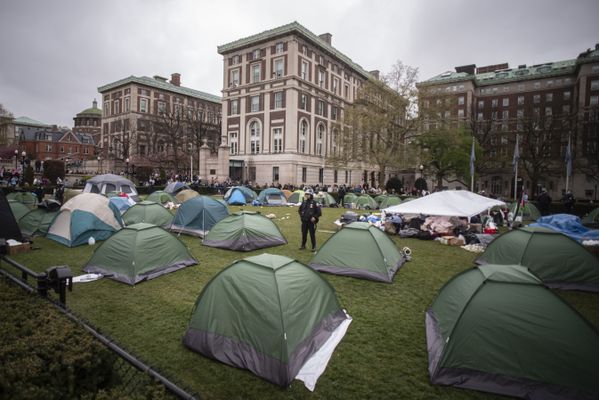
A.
pixel 293 27
pixel 91 110
pixel 30 122
pixel 158 84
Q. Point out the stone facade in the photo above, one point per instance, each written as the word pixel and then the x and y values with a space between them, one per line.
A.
pixel 89 121
pixel 149 121
pixel 284 94
pixel 497 103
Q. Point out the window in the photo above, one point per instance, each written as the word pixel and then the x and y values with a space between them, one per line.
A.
pixel 275 174
pixel 304 70
pixel 61 149
pixel 86 150
pixel 304 173
pixel 319 140
pixel 479 116
pixel 566 109
pixel 277 140
pixel 256 54
pixel 161 107
pixel 320 78
pixel 279 49
pixel 460 113
pixel 537 85
pixel 505 115
pixel 520 100
pixel 117 106
pixel 506 102
pixel 594 100
pixel 127 104
pixel 48 148
pixel 320 107
pixel 494 103
pixel 461 100
pixel 334 145
pixel 595 85
pixel 142 149
pixel 335 177
pixel 234 149
pixel 255 103
pixel 234 107
pixel 335 85
pixel 303 102
pixel 346 91
pixel 236 59
pixel 303 136
pixel 235 77
pixel 321 175
pixel 548 111
pixel 254 137
pixel 481 104
pixel 106 108
pixel 143 105
pixel 278 99
pixel 548 97
pixel 536 98
pixel 334 113
pixel 255 73
pixel 304 50
pixel 567 95
pixel 279 67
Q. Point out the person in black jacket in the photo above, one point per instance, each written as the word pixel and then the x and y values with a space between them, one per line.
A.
pixel 309 214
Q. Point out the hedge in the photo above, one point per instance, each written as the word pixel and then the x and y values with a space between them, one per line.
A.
pixel 44 355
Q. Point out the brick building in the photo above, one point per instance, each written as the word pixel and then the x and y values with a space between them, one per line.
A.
pixel 546 105
pixel 284 93
pixel 154 122
pixel 89 121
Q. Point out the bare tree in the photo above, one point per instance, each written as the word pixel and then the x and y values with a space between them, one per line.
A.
pixel 170 125
pixel 6 117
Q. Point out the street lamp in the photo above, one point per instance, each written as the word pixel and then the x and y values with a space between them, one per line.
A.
pixel 99 164
pixel 127 170
pixel 421 168
pixel 23 155
pixel 16 155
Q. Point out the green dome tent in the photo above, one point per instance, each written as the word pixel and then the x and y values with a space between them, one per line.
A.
pixel 559 261
pixel 27 198
pixel 139 252
pixel 592 217
pixel 349 198
pixel 324 199
pixel 267 313
pixel 18 209
pixel 148 212
pixel 366 202
pixel 389 201
pixel 9 229
pixel 296 197
pixel 379 199
pixel 528 212
pixel 37 222
pixel 360 250
pixel 198 215
pixel 162 197
pixel 244 231
pixel 496 328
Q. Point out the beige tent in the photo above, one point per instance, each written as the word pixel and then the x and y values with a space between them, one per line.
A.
pixel 185 195
pixel 84 216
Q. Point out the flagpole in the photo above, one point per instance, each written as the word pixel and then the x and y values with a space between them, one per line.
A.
pixel 472 159
pixel 516 159
pixel 568 157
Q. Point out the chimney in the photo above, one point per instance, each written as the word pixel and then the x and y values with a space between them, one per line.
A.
pixel 176 79
pixel 326 37
pixel 376 73
pixel 95 104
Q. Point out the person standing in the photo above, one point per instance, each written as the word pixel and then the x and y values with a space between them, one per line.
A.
pixel 544 201
pixel 309 214
pixel 568 201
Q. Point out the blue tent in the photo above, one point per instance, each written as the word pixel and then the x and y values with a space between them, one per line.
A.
pixel 569 225
pixel 121 203
pixel 249 194
pixel 175 187
pixel 198 215
pixel 236 197
pixel 272 197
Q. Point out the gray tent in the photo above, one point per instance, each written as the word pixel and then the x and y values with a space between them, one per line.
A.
pixel 104 184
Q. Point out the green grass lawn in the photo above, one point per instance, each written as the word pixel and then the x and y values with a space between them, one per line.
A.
pixel 383 355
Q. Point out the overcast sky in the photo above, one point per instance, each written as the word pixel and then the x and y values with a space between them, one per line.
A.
pixel 55 54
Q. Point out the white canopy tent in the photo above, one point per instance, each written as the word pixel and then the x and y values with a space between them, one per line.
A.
pixel 450 203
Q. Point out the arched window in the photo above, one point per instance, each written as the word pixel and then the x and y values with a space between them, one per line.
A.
pixel 303 136
pixel 320 140
pixel 254 137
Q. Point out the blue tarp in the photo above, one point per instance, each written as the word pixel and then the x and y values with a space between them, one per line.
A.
pixel 569 225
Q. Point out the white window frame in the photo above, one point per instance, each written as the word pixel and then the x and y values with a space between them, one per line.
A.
pixel 277 140
pixel 254 103
pixel 278 100
pixel 303 101
pixel 235 107
pixel 303 136
pixel 256 72
pixel 279 68
pixel 234 79
pixel 254 129
pixel 304 70
pixel 320 139
pixel 234 143
pixel 461 101
pixel 506 102
pixel 143 105
pixel 279 47
pixel 321 76
pixel 127 104
pixel 595 84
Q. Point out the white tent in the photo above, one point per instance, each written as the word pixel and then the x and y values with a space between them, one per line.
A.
pixel 450 203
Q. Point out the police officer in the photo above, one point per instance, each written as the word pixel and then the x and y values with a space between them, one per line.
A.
pixel 309 213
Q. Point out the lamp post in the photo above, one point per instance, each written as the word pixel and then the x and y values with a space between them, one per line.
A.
pixel 421 168
pixel 16 155
pixel 127 166
pixel 23 155
pixel 99 165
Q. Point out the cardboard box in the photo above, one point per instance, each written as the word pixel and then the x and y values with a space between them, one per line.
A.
pixel 18 249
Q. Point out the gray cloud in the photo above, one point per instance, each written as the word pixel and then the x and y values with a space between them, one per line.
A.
pixel 55 54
